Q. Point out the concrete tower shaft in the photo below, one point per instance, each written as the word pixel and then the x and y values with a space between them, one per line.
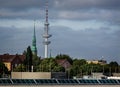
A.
pixel 46 34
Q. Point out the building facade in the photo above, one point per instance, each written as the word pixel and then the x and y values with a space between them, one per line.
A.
pixel 11 61
pixel 102 62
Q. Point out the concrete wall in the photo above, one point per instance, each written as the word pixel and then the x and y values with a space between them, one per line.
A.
pixel 31 75
pixel 116 74
pixel 97 75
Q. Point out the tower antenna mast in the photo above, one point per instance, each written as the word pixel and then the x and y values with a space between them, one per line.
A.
pixel 46 34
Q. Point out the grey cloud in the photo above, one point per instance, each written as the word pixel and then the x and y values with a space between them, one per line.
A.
pixel 111 17
pixel 23 9
pixel 16 40
pixel 28 14
pixel 60 4
pixel 87 4
pixel 62 9
pixel 20 4
pixel 86 43
pixel 101 10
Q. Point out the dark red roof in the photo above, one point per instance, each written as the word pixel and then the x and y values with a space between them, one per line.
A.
pixel 63 62
pixel 10 58
pixel 22 57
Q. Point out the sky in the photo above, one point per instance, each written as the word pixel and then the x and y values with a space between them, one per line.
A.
pixel 87 29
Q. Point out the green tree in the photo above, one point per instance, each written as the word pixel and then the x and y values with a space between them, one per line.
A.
pixel 107 70
pixel 36 62
pixel 76 69
pixel 79 62
pixel 28 60
pixel 20 68
pixel 113 66
pixel 58 68
pixel 86 69
pixel 80 68
pixel 3 69
pixel 96 67
pixel 49 64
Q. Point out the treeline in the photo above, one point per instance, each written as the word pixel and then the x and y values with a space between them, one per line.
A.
pixel 78 68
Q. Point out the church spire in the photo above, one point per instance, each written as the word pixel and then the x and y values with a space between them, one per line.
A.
pixel 34 48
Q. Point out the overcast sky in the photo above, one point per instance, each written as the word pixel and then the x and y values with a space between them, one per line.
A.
pixel 87 29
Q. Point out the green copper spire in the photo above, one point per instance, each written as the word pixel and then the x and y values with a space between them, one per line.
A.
pixel 34 48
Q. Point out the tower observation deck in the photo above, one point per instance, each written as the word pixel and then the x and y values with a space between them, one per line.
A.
pixel 46 34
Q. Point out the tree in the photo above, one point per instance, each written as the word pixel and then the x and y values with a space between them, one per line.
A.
pixel 20 68
pixel 3 69
pixel 107 70
pixel 58 68
pixel 113 66
pixel 96 67
pixel 49 64
pixel 23 67
pixel 28 60
pixel 35 62
pixel 76 69
pixel 79 62
pixel 80 67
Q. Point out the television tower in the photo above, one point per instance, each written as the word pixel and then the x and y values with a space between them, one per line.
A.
pixel 46 34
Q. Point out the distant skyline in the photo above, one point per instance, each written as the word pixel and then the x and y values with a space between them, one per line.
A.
pixel 87 29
